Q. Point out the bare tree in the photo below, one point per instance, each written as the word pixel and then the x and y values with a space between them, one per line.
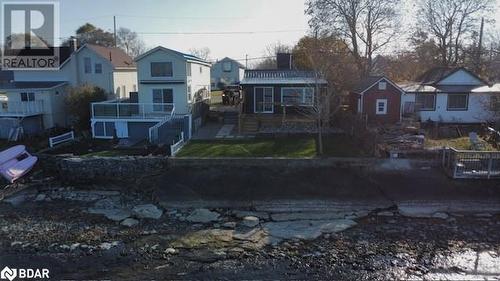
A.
pixel 269 60
pixel 130 42
pixel 451 23
pixel 202 53
pixel 367 26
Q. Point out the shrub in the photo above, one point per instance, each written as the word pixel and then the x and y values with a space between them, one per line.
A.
pixel 79 101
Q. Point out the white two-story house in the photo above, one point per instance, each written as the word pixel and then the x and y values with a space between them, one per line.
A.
pixel 34 100
pixel 226 72
pixel 171 84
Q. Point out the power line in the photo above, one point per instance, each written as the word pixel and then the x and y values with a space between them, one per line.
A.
pixel 221 32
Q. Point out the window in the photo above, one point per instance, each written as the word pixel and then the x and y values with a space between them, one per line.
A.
pixel 297 96
pixel 162 96
pixel 189 93
pixel 201 70
pixel 381 108
pixel 382 85
pixel 458 102
pixel 98 68
pixel 27 96
pixel 161 69
pixel 188 69
pixel 425 102
pixel 87 65
pixel 227 66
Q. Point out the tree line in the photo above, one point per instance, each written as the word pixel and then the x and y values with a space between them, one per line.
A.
pixel 367 37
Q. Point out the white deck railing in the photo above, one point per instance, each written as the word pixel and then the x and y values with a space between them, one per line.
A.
pixel 22 108
pixel 119 110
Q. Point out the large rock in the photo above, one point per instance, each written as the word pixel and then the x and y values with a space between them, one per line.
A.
pixel 296 216
pixel 305 229
pixel 203 216
pixel 130 222
pixel 148 211
pixel 112 214
pixel 250 221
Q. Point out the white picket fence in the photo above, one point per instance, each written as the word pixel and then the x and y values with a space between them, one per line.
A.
pixel 176 147
pixel 61 139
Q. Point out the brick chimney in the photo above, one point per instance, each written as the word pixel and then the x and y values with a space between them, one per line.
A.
pixel 284 60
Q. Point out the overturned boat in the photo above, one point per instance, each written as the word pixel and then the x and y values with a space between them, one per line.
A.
pixel 16 162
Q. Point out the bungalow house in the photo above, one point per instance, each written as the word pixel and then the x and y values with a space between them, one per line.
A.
pixel 226 72
pixel 171 85
pixel 271 97
pixel 33 100
pixel 450 95
pixel 378 99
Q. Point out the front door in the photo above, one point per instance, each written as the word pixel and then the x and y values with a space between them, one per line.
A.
pixel 264 100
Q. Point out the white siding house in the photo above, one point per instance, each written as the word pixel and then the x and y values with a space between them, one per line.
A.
pixel 226 72
pixel 170 83
pixel 40 94
pixel 450 96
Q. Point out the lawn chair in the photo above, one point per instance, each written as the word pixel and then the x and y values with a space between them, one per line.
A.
pixel 476 143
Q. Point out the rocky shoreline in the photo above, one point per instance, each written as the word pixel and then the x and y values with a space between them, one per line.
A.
pixel 108 234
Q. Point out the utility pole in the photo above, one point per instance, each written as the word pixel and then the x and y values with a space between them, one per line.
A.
pixel 480 46
pixel 246 61
pixel 114 28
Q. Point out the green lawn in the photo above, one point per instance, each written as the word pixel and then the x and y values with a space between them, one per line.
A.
pixel 282 147
pixel 335 146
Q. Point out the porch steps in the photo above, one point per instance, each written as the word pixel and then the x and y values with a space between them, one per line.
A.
pixel 249 126
pixel 231 118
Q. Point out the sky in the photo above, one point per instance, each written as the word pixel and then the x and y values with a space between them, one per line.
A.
pixel 269 20
pixel 247 26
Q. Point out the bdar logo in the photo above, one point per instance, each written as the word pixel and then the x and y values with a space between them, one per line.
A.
pixel 8 273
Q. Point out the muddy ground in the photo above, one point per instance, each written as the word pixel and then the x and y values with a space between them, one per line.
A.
pixel 102 232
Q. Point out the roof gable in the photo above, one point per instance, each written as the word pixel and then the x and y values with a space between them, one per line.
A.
pixel 115 56
pixel 461 77
pixel 227 59
pixel 184 56
pixel 371 81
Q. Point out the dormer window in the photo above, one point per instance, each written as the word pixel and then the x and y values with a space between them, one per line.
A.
pixel 161 69
pixel 382 85
pixel 227 66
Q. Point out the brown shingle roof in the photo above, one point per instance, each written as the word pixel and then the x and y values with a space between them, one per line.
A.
pixel 116 56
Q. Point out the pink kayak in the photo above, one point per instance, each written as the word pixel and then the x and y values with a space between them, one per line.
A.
pixel 15 162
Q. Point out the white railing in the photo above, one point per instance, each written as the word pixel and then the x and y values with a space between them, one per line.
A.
pixel 23 108
pixel 154 131
pixel 119 110
pixel 61 139
pixel 176 147
pixel 470 164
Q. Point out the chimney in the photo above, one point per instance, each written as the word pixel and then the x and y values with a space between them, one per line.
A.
pixel 73 44
pixel 284 61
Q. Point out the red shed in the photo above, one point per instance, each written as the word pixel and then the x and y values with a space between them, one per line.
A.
pixel 378 98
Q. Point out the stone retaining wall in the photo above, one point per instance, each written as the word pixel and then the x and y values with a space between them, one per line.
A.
pixel 81 170
pixel 334 162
